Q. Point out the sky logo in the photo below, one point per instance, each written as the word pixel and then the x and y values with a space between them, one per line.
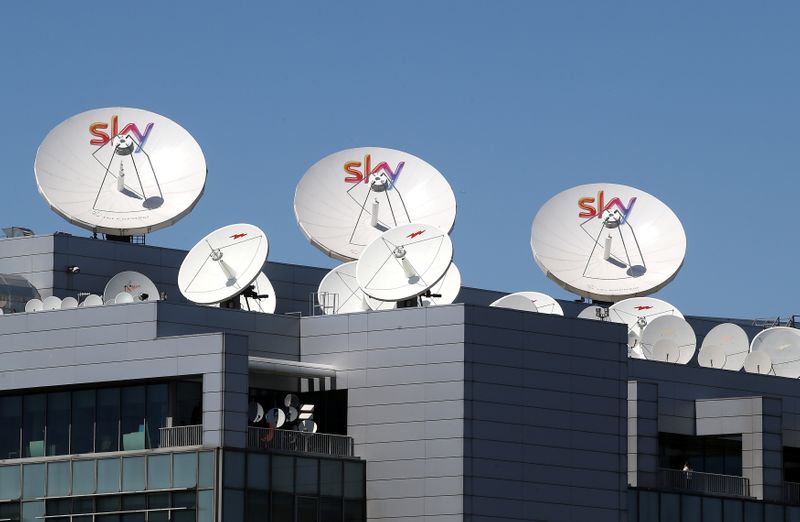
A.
pixel 592 207
pixel 97 129
pixel 357 176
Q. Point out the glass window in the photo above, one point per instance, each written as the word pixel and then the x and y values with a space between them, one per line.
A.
pixel 58 479
pixel 233 472
pixel 670 508
pixel 107 419
pixel 186 499
pixel 354 511
pixel 282 506
pixel 83 478
pixel 257 506
pixel 109 503
pixel 11 420
pixel 33 425
pixel 132 423
pixel 306 477
pixel 189 403
pixel 32 511
pixel 732 510
pixel 186 515
pixel 159 472
pixel 82 505
pixel 690 508
pixel 10 511
pixel 648 505
pixel 157 412
pixel 282 473
pixel 306 508
pixel 330 509
pixel 58 419
pixel 134 517
pixel 82 440
pixel 712 510
pixel 771 512
pixel 133 474
pixel 134 502
pixel 206 475
pixel 258 471
pixel 9 482
pixel 753 512
pixel 32 480
pixel 233 504
pixel 792 513
pixel 205 507
pixel 354 480
pixel 330 478
pixel 108 475
pixel 185 470
pixel 158 500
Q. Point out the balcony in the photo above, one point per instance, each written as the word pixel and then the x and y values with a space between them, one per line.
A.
pixel 705 483
pixel 295 441
pixel 791 492
pixel 177 436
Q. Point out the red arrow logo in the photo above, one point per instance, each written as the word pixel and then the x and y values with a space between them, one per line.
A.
pixel 237 236
pixel 640 308
pixel 415 234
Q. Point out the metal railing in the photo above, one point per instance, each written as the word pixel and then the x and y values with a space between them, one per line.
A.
pixel 287 440
pixel 706 483
pixel 791 492
pixel 181 436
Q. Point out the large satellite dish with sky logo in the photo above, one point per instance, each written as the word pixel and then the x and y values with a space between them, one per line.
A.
pixel 608 242
pixel 120 171
pixel 348 199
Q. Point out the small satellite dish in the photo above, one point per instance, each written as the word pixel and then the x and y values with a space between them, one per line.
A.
pixel 339 293
pixel 530 302
pixel 275 418
pixel 758 362
pixel 608 242
pixel 346 200
pixel 307 426
pixel 91 300
pixel 445 291
pixel 594 312
pixel 138 285
pixel 404 262
pixel 120 171
pixel 637 313
pixel 292 414
pixel 69 302
pixel 123 298
pixel 725 347
pixel 255 411
pixel 51 303
pixel 110 301
pixel 668 338
pixel 223 264
pixel 291 401
pixel 34 305
pixel 782 345
pixel 261 297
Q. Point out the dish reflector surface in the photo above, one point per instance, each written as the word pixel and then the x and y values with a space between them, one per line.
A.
pixel 51 303
pixel 69 302
pixel 91 300
pixel 120 171
pixel 448 288
pixel 223 264
pixel 404 262
pixel 346 200
pixel 595 312
pixel 138 285
pixel 782 345
pixel 608 242
pixel 668 338
pixel 531 302
pixel 34 305
pixel 725 346
pixel 758 362
pixel 341 283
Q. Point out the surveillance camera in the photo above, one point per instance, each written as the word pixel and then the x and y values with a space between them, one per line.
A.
pixel 73 269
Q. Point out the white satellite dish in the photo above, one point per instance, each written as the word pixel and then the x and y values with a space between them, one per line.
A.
pixel 445 291
pixel 91 300
pixel 223 264
pixel 668 338
pixel 339 293
pixel 726 346
pixel 255 411
pixel 51 303
pixel 404 262
pixel 110 301
pixel 261 298
pixel 138 285
pixel 34 305
pixel 530 302
pixel 608 242
pixel 637 313
pixel 120 171
pixel 69 302
pixel 594 312
pixel 782 345
pixel 123 298
pixel 275 418
pixel 307 426
pixel 346 200
pixel 759 363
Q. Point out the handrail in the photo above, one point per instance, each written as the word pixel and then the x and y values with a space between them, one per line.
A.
pixel 791 492
pixel 175 436
pixel 289 440
pixel 707 483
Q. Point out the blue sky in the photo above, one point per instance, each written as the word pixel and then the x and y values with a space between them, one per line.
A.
pixel 696 103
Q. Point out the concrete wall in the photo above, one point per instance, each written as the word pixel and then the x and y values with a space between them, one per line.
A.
pixel 545 417
pixel 404 371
